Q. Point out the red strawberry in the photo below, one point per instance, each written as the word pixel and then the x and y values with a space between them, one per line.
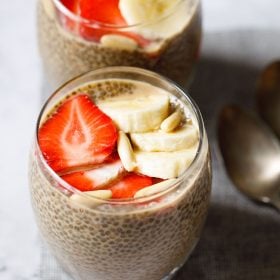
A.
pixel 157 180
pixel 77 134
pixel 67 22
pixel 105 11
pixel 95 178
pixel 129 185
pixel 102 11
pixel 71 5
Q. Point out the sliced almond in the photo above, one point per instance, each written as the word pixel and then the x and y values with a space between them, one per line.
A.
pixel 49 8
pixel 125 152
pixel 154 48
pixel 91 201
pixel 189 121
pixel 118 42
pixel 171 122
pixel 156 188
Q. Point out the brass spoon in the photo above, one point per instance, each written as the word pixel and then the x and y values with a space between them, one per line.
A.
pixel 268 96
pixel 251 154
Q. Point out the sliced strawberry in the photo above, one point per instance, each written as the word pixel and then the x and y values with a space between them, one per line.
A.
pixel 77 134
pixel 102 11
pixel 67 22
pixel 157 180
pixel 105 11
pixel 95 178
pixel 71 5
pixel 129 185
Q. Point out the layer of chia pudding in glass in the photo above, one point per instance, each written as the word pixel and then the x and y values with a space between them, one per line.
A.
pixel 76 36
pixel 120 175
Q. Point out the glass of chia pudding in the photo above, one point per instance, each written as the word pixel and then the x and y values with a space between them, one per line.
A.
pixel 76 36
pixel 120 175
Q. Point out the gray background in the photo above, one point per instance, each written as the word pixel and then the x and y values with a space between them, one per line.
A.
pixel 240 239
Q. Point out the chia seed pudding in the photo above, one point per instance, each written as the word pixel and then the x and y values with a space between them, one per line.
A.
pixel 148 235
pixel 66 51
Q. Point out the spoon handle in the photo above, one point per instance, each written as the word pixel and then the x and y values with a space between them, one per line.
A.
pixel 275 202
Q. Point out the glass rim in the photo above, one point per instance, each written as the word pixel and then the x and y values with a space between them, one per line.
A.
pixel 143 72
pixel 98 24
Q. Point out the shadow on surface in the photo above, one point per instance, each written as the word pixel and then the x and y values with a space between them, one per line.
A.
pixel 237 242
pixel 228 251
pixel 219 82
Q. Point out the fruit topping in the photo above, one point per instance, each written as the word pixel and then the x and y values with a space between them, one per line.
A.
pixel 95 178
pixel 139 11
pixel 137 113
pixel 77 134
pixel 129 185
pixel 68 22
pixel 165 165
pixel 161 141
pixel 101 17
pixel 155 18
pixel 125 146
pixel 71 5
pixel 105 11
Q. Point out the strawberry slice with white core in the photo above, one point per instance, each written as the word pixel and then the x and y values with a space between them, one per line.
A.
pixel 95 178
pixel 106 12
pixel 98 11
pixel 78 134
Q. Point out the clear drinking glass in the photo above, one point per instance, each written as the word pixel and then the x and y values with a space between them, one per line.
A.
pixel 71 45
pixel 139 238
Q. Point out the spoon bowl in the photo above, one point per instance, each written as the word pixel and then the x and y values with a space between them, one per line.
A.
pixel 268 96
pixel 251 154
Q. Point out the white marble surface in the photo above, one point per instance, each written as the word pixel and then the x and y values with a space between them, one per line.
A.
pixel 20 80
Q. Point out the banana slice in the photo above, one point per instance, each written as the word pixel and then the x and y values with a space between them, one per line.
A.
pixel 165 165
pixel 150 12
pixel 161 141
pixel 137 112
